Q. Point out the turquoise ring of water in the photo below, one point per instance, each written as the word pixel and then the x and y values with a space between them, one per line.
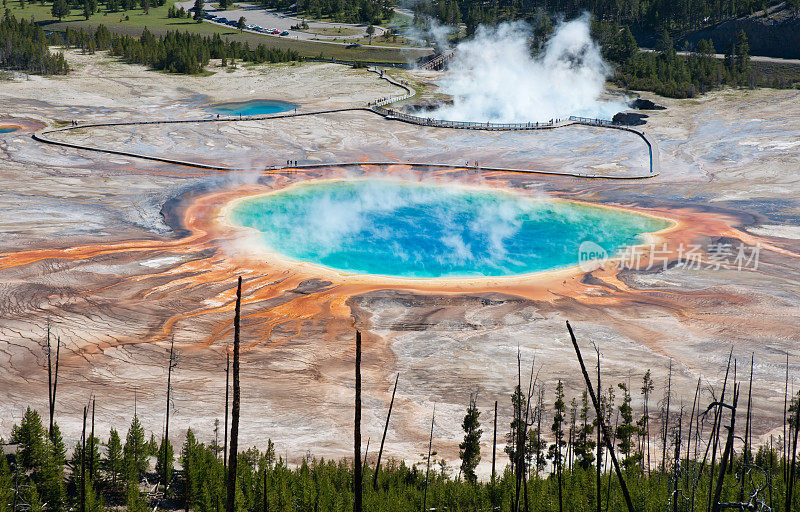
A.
pixel 408 229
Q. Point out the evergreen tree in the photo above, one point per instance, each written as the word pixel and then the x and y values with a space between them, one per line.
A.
pixel 60 9
pixel 198 10
pixel 512 437
pixel 242 23
pixel 135 451
pixel 470 448
pixel 113 462
pixel 39 461
pixel 6 486
pixel 626 429
pixel 584 443
pixel 556 449
pixel 152 445
pixel 160 460
pixel 742 54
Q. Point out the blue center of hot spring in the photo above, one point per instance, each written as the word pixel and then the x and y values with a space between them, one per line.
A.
pixel 253 108
pixel 404 229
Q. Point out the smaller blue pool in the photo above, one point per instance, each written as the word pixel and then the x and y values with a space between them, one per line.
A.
pixel 8 129
pixel 252 108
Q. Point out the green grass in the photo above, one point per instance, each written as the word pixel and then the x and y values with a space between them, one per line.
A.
pixel 157 22
pixel 330 31
pixel 777 73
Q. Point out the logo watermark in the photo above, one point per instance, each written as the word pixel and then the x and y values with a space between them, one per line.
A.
pixel 714 256
pixel 591 256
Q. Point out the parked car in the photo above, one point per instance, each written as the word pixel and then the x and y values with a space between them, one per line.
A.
pixel 285 33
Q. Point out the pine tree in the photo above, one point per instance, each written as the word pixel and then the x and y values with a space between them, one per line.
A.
pixel 512 438
pixel 742 54
pixel 6 486
pixel 39 461
pixel 559 407
pixel 585 444
pixel 626 429
pixel 644 423
pixel 135 452
pixel 113 461
pixel 160 460
pixel 60 9
pixel 198 10
pixel 470 448
pixel 152 445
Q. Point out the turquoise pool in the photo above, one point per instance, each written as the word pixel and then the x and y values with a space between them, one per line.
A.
pixel 404 229
pixel 8 129
pixel 252 108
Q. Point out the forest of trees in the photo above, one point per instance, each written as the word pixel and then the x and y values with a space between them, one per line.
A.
pixel 669 74
pixel 176 52
pixel 588 452
pixel 641 16
pixel 614 24
pixel 25 47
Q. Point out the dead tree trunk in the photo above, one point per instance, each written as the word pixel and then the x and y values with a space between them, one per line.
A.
pixel 677 464
pixel 227 390
pixel 82 492
pixel 746 451
pixel 785 446
pixel 599 438
pixel 55 382
pixel 666 421
pixel 790 487
pixel 726 454
pixel 494 442
pixel 715 433
pixel 91 447
pixel 170 366
pixel 357 478
pixel 518 434
pixel 690 472
pixel 383 439
pixel 428 468
pixel 366 456
pixel 230 504
pixel 601 422
pixel 49 382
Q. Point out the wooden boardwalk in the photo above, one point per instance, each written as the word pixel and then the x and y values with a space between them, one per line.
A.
pixel 376 107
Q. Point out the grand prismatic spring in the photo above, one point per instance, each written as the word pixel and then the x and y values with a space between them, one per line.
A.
pixel 414 230
pixel 123 237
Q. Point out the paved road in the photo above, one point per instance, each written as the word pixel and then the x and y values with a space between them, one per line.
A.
pixel 755 58
pixel 269 18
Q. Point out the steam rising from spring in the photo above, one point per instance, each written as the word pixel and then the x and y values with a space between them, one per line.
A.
pixel 494 77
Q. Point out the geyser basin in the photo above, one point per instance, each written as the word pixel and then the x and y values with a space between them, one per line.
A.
pixel 403 229
pixel 252 108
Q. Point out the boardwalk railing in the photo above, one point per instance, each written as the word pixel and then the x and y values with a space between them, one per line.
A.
pixel 472 125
